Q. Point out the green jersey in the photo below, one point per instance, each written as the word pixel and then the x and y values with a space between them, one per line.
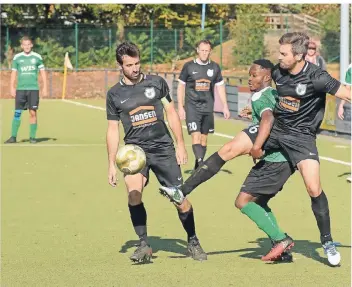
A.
pixel 348 77
pixel 262 101
pixel 27 67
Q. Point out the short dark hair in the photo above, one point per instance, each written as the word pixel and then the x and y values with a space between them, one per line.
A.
pixel 298 40
pixel 26 38
pixel 264 63
pixel 204 41
pixel 126 48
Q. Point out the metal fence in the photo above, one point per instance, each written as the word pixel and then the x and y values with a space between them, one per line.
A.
pixel 94 46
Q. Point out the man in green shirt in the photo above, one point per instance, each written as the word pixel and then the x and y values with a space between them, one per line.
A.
pixel 25 66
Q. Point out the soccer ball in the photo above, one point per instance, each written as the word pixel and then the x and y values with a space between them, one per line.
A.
pixel 130 159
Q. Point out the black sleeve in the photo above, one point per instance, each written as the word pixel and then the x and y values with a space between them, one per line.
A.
pixel 218 77
pixel 184 73
pixel 164 90
pixel 111 109
pixel 323 82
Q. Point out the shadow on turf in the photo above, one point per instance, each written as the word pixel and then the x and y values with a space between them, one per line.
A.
pixel 40 140
pixel 160 244
pixel 304 247
pixel 189 171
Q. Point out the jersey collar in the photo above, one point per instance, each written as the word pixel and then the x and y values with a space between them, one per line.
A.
pixel 200 63
pixel 143 77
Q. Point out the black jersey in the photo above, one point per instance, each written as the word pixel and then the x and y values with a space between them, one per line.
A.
pixel 302 97
pixel 141 111
pixel 200 81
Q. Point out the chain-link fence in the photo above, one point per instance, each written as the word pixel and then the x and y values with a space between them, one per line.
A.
pixel 94 46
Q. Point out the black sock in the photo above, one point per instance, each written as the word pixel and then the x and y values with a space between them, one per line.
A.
pixel 187 220
pixel 206 170
pixel 198 153
pixel 320 209
pixel 139 220
pixel 204 151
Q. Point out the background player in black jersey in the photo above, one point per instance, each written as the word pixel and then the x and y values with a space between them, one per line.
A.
pixel 302 88
pixel 195 94
pixel 139 102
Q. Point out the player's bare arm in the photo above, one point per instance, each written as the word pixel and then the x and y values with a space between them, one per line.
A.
pixel 112 143
pixel 265 126
pixel 181 90
pixel 343 93
pixel 13 83
pixel 45 86
pixel 176 127
pixel 223 98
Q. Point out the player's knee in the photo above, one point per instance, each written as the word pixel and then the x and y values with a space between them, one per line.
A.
pixel 134 197
pixel 227 152
pixel 314 189
pixel 17 115
pixel 184 206
pixel 239 202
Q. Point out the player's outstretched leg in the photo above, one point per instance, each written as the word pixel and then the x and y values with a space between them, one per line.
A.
pixel 239 145
pixel 186 215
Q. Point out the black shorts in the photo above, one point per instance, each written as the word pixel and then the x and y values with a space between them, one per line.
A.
pixel 295 147
pixel 28 99
pixel 199 122
pixel 164 164
pixel 252 132
pixel 267 178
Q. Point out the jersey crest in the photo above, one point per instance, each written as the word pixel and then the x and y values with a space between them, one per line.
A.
pixel 149 93
pixel 210 72
pixel 301 89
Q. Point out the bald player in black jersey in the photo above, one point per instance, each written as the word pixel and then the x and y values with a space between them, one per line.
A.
pixel 139 101
pixel 302 89
pixel 195 94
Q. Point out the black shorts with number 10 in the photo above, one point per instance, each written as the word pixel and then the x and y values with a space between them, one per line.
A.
pixel 199 122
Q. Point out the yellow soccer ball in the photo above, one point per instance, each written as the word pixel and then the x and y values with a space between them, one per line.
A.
pixel 130 159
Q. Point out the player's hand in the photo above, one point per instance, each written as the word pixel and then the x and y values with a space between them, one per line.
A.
pixel 246 112
pixel 112 178
pixel 226 112
pixel 340 112
pixel 181 154
pixel 256 152
pixel 13 92
pixel 181 113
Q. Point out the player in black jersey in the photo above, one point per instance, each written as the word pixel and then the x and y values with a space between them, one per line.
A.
pixel 302 89
pixel 195 94
pixel 139 101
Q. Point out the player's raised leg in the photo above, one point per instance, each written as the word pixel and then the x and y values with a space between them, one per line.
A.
pixel 241 144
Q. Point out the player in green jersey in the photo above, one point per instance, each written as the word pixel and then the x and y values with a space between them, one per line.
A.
pixel 265 179
pixel 25 67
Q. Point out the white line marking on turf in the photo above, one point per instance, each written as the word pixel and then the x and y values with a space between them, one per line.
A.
pixel 341 146
pixel 217 134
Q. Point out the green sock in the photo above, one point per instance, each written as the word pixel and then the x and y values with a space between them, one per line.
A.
pixel 15 126
pixel 271 215
pixel 32 130
pixel 258 214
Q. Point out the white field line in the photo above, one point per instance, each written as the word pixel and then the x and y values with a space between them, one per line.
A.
pixel 216 134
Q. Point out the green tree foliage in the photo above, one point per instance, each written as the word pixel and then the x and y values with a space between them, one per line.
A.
pixel 248 32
